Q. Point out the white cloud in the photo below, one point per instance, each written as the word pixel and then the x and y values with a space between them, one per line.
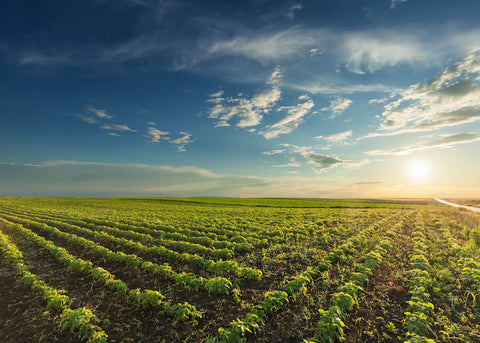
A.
pixel 182 141
pixel 269 46
pixel 337 137
pixel 441 143
pixel 117 127
pixel 87 119
pixel 337 106
pixel 395 3
pixel 377 101
pixel 156 135
pixel 295 7
pixel 290 122
pixel 273 152
pixel 248 111
pixel 216 94
pixel 369 52
pixel 321 162
pixel 333 87
pixel 99 113
pixel 450 98
pixel 22 164
pixel 288 165
pixel 324 162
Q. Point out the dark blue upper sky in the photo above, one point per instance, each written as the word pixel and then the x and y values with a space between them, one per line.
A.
pixel 248 98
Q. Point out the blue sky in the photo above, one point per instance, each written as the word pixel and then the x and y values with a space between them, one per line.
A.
pixel 251 98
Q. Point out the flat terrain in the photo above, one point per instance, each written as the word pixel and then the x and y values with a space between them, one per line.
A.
pixel 233 270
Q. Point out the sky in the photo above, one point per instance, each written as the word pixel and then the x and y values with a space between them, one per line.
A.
pixel 254 98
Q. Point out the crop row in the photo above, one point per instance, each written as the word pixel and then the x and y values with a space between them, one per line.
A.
pixel 222 238
pixel 145 298
pixel 330 325
pixel 466 263
pixel 418 315
pixel 189 239
pixel 222 267
pixel 80 320
pixel 190 282
pixel 132 234
pixel 254 321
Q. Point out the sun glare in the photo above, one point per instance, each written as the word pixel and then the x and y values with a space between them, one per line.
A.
pixel 418 169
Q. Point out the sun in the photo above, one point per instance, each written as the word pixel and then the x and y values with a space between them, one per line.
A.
pixel 418 169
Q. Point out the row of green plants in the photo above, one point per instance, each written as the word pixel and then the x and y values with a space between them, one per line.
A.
pixel 190 282
pixel 468 265
pixel 419 312
pixel 209 236
pixel 254 322
pixel 192 243
pixel 221 267
pixel 132 234
pixel 331 323
pixel 453 312
pixel 144 298
pixel 81 321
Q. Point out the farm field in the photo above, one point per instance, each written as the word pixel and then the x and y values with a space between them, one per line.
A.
pixel 238 270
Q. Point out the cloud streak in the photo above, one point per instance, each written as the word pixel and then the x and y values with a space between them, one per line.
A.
pixel 337 106
pixel 337 137
pixel 324 162
pixel 117 127
pixel 180 143
pixel 289 123
pixel 441 143
pixel 156 135
pixel 99 113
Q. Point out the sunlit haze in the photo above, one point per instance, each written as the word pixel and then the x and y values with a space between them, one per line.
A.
pixel 418 169
pixel 245 99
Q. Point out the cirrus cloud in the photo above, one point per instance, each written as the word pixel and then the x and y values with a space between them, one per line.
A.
pixel 441 143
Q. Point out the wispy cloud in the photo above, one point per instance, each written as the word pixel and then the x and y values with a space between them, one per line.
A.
pixel 273 152
pixel 321 162
pixel 117 127
pixel 156 135
pixel 22 164
pixel 100 118
pixel 226 39
pixel 288 165
pixel 334 87
pixel 247 111
pixel 182 141
pixel 441 143
pixel 337 106
pixel 451 98
pixel 99 113
pixel 337 137
pixel 286 125
pixel 295 7
pixel 395 3
pixel 367 52
pixel 324 162
pixel 269 46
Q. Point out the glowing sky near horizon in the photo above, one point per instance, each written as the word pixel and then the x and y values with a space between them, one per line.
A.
pixel 250 98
